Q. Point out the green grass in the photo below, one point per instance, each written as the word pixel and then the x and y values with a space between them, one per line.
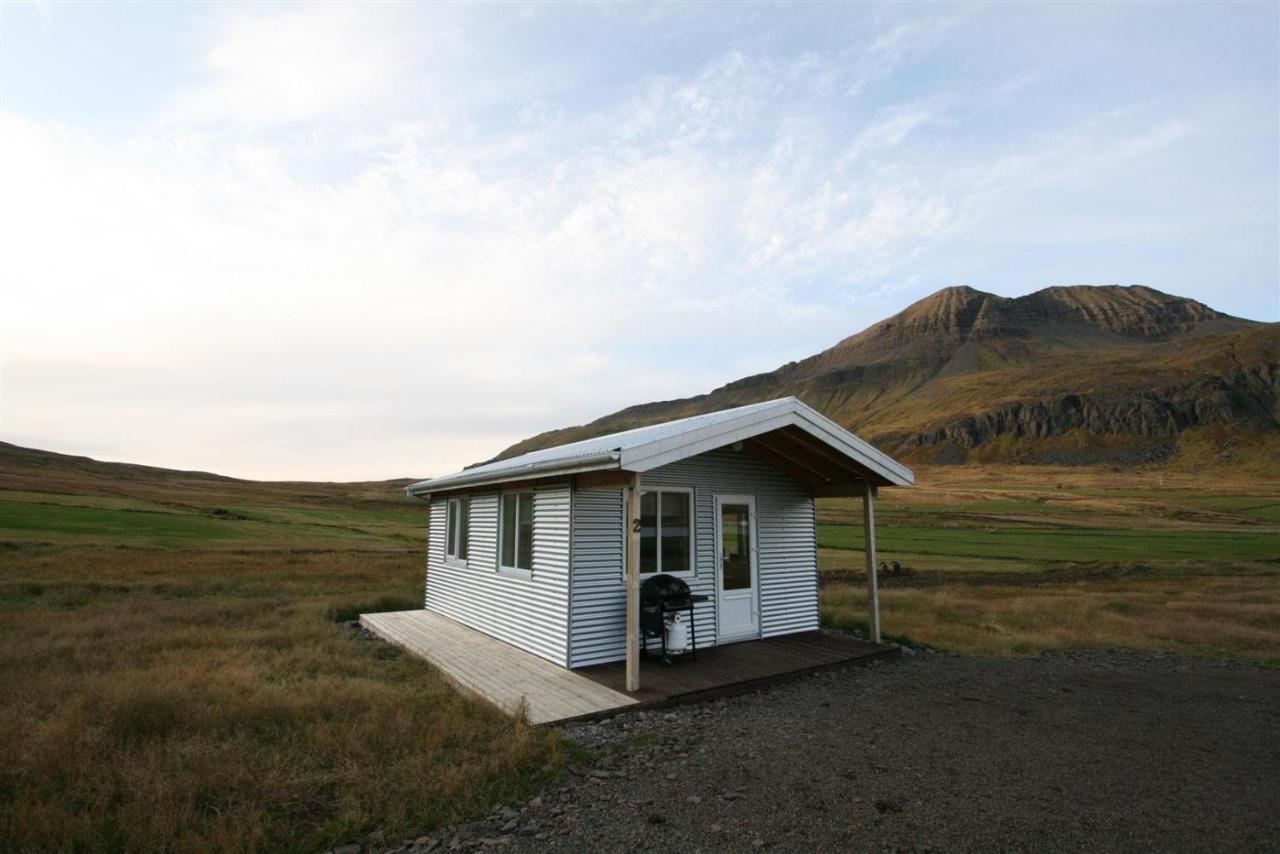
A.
pixel 1021 560
pixel 106 502
pixel 157 526
pixel 176 676
pixel 95 524
pixel 1248 505
pixel 1057 546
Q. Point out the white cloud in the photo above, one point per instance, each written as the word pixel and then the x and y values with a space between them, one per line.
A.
pixel 264 285
pixel 269 66
pixel 891 48
pixel 219 298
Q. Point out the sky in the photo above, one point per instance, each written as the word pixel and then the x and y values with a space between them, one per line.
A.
pixel 341 241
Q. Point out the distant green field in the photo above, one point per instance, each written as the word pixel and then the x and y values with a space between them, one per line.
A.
pixel 1242 504
pixel 1060 545
pixel 141 523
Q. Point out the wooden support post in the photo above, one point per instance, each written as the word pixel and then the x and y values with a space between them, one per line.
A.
pixel 633 584
pixel 869 533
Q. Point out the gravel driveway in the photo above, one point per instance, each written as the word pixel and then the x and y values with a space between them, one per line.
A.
pixel 1071 751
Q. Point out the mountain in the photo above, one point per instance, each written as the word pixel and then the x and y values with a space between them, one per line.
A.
pixel 1065 375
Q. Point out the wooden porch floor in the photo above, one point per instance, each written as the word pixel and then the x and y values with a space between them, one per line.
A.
pixel 735 668
pixel 507 676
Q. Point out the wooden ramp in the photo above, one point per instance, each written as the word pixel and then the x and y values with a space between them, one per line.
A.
pixel 493 670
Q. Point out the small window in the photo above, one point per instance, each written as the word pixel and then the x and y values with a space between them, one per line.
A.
pixel 666 531
pixel 517 531
pixel 457 528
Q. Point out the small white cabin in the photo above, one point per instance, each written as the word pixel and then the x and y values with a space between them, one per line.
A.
pixel 535 550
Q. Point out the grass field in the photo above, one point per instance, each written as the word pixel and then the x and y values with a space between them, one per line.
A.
pixel 176 676
pixel 1018 560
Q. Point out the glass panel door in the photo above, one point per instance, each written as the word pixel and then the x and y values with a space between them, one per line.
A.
pixel 737 614
pixel 735 545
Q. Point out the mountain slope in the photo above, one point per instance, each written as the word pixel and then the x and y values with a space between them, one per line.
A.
pixel 1064 375
pixel 38 471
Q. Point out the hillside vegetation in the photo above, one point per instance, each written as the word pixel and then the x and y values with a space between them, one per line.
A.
pixel 1010 560
pixel 1064 376
pixel 178 676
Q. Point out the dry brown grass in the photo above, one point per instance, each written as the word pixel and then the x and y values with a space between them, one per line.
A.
pixel 201 697
pixel 1229 615
pixel 200 700
pixel 985 584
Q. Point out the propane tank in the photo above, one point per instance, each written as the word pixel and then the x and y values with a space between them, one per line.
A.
pixel 677 634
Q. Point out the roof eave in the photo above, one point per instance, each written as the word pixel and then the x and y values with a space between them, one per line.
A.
pixel 789 412
pixel 549 468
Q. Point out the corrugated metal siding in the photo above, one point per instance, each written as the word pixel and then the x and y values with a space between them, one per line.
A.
pixel 530 613
pixel 787 552
pixel 599 592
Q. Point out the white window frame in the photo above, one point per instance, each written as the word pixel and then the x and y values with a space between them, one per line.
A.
pixel 692 571
pixel 453 509
pixel 516 571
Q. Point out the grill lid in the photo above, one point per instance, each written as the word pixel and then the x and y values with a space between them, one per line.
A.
pixel 662 588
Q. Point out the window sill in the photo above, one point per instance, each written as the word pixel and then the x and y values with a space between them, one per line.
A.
pixel 456 563
pixel 513 572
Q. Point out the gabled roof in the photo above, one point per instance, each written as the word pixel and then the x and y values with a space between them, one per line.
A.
pixel 826 450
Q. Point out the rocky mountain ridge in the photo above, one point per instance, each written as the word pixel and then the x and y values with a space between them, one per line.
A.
pixel 1073 374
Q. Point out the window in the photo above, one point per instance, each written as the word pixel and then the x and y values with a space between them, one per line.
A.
pixel 666 531
pixel 457 528
pixel 517 532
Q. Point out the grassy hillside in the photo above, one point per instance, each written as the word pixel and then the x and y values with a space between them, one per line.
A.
pixel 177 676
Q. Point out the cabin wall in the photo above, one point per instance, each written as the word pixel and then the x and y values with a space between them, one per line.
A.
pixel 529 613
pixel 598 599
pixel 787 546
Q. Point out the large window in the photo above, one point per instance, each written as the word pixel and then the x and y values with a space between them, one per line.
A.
pixel 457 528
pixel 516 533
pixel 666 531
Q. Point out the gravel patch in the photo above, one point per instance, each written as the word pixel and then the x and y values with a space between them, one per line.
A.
pixel 1105 751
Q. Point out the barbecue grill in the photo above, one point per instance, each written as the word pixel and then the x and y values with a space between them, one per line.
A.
pixel 665 602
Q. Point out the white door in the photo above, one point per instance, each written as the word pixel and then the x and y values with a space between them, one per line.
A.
pixel 738 616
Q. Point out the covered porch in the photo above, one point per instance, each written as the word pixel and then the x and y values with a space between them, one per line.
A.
pixel 513 679
pixel 736 668
pixel 829 461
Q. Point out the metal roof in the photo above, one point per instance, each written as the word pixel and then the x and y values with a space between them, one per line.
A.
pixel 646 448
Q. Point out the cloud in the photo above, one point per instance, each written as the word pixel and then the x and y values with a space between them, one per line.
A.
pixel 891 48
pixel 332 258
pixel 268 66
pixel 245 280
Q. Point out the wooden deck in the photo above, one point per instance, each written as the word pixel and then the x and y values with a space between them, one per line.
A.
pixel 736 668
pixel 493 670
pixel 508 677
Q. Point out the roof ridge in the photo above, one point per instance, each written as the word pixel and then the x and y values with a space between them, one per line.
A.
pixel 619 434
pixel 613 449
